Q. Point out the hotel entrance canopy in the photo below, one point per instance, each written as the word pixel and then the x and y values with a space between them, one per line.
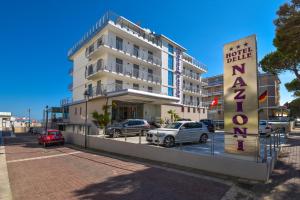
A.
pixel 138 96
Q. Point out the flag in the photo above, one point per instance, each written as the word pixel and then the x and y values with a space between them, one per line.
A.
pixel 263 96
pixel 214 102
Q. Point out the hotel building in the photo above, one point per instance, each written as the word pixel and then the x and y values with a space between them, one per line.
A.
pixel 266 81
pixel 141 73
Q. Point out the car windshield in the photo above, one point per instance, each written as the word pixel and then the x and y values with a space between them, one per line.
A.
pixel 262 123
pixel 175 125
pixel 53 133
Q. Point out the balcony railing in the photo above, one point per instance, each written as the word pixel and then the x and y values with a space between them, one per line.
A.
pixel 191 103
pixel 191 74
pixel 193 61
pixel 120 22
pixel 129 50
pixel 104 89
pixel 220 92
pixel 214 83
pixel 122 70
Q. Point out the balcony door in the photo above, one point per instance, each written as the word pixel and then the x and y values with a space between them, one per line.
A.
pixel 119 43
pixel 119 65
pixel 136 70
pixel 118 85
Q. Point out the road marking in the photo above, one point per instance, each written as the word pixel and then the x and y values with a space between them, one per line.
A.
pixel 43 157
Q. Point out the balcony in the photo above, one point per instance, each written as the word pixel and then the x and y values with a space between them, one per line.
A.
pixel 70 87
pixel 71 71
pixel 215 93
pixel 214 83
pixel 120 22
pixel 192 61
pixel 129 92
pixel 191 75
pixel 191 103
pixel 134 55
pixel 94 71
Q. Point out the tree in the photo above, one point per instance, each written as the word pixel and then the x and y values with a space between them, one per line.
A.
pixel 173 115
pixel 294 107
pixel 287 42
pixel 293 86
pixel 102 120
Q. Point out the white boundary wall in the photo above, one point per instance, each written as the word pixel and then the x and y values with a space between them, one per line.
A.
pixel 216 164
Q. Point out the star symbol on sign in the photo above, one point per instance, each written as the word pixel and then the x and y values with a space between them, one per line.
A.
pixel 246 44
pixel 238 46
pixel 230 49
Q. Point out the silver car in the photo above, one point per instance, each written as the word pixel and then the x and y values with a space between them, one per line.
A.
pixel 178 132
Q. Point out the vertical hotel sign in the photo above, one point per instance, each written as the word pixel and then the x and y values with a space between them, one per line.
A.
pixel 240 97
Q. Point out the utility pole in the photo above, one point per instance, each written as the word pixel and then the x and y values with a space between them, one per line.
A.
pixel 29 117
pixel 46 124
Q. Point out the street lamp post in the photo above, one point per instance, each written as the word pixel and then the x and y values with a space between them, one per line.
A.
pixel 86 95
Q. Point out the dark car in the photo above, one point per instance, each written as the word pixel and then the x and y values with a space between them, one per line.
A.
pixel 209 124
pixel 128 127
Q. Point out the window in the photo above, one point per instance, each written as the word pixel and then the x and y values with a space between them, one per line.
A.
pixel 198 101
pixel 80 110
pixel 119 43
pixel 119 85
pixel 75 110
pixel 170 91
pixel 189 109
pixel 170 62
pixel 170 78
pixel 136 71
pixel 203 110
pixel 136 86
pixel 182 108
pixel 119 65
pixel 136 50
pixel 150 89
pixel 170 49
pixel 183 98
pixel 191 99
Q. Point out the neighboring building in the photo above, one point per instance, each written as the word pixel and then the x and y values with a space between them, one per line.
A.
pixel 267 82
pixel 142 73
pixel 5 120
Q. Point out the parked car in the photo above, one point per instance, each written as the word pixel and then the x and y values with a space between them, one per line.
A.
pixel 297 122
pixel 178 132
pixel 210 124
pixel 52 136
pixel 128 127
pixel 265 128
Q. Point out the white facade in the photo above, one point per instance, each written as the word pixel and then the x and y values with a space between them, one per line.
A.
pixel 121 61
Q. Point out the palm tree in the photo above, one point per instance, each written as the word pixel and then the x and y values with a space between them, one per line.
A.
pixel 172 114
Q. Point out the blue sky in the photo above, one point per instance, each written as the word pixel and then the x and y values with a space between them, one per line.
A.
pixel 36 35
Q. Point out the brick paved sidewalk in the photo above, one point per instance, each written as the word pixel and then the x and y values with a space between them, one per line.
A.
pixel 284 182
pixel 67 173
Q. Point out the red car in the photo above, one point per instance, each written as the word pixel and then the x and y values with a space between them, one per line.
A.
pixel 51 137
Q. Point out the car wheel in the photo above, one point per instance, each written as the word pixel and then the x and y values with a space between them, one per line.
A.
pixel 169 141
pixel 203 138
pixel 116 133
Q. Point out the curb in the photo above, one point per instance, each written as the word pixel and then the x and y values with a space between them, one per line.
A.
pixel 5 191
